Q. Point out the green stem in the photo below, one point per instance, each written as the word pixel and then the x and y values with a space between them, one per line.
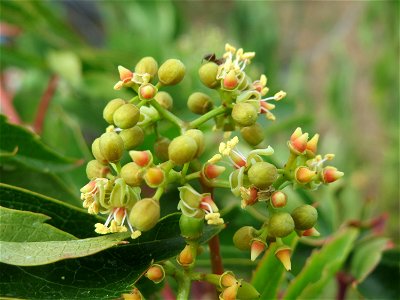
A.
pixel 134 99
pixel 183 286
pixel 167 114
pixel 192 176
pixel 158 194
pixel 116 166
pixel 184 171
pixel 204 118
pixel 285 184
pixel 220 184
pixel 141 103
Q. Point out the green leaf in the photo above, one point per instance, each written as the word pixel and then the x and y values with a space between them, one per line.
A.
pixel 31 152
pixel 321 266
pixel 366 257
pixel 270 270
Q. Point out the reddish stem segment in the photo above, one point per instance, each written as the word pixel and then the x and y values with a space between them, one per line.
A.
pixel 215 255
pixel 7 106
pixel 44 103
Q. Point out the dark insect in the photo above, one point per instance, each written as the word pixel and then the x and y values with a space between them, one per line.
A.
pixel 213 58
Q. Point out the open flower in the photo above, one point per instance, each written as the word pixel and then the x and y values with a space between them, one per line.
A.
pixel 129 78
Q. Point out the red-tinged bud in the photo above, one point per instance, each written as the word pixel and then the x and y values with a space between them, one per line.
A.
pixel 141 158
pixel 124 74
pixel 312 146
pixel 237 159
pixel 249 196
pixel 311 232
pixel 147 91
pixel 207 202
pixel 227 279
pixel 135 295
pixel 278 199
pixel 154 177
pixel 331 174
pixel 283 254
pixel 257 247
pixel 230 81
pixel 155 273
pixel 304 175
pixel 229 293
pixel 211 171
pixel 298 141
pixel 187 256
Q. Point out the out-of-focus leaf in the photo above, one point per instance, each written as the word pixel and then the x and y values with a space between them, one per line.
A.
pixel 321 266
pixel 366 257
pixel 270 270
pixel 66 64
pixel 31 151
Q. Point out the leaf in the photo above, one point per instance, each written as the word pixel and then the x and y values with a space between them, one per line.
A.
pixel 270 271
pixel 321 266
pixel 366 257
pixel 31 152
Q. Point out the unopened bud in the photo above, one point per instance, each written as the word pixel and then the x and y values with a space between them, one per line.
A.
pixel 304 217
pixel 132 137
pixel 227 279
pixel 331 174
pixel 283 254
pixel 164 99
pixel 94 169
pixel 257 247
pixel 111 146
pixel 182 149
pixel 211 171
pixel 247 291
pixel 199 103
pixel 145 214
pixel 147 65
pixel 310 232
pixel 134 295
pixel 147 91
pixel 198 136
pixel 171 72
pixel 230 81
pixel 161 148
pixel 141 158
pixel 126 116
pixel 187 256
pixel 304 175
pixel 110 108
pixel 278 199
pixel 312 146
pixel 244 114
pixel 132 174
pixel 97 153
pixel 155 273
pixel 298 141
pixel 208 74
pixel 154 177
pixel 280 225
pixel 262 174
pixel 243 237
pixel 253 134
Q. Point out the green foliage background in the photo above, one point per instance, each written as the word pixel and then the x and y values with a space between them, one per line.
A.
pixel 338 62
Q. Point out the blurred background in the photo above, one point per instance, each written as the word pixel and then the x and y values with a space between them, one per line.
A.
pixel 337 61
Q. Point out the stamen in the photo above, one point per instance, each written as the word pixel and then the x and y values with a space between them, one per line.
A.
pixel 208 206
pixel 130 225
pixel 110 217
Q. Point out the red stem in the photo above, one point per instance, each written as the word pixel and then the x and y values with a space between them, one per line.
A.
pixel 7 106
pixel 44 103
pixel 215 255
pixel 167 292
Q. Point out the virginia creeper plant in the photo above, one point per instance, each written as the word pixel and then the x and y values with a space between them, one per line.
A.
pixel 196 167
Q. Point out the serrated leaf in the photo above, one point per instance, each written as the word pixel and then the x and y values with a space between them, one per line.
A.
pixel 321 266
pixel 31 152
pixel 366 257
pixel 270 270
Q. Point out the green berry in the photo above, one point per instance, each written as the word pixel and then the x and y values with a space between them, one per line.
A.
pixel 126 116
pixel 244 114
pixel 208 74
pixel 161 148
pixel 199 103
pixel 145 214
pixel 262 174
pixel 198 136
pixel 94 170
pixel 110 109
pixel 132 137
pixel 182 149
pixel 253 134
pixel 171 72
pixel 164 99
pixel 280 225
pixel 132 174
pixel 191 227
pixel 97 153
pixel 111 146
pixel 305 217
pixel 242 238
pixel 147 65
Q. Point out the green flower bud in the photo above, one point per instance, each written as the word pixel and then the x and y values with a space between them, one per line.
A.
pixel 164 99
pixel 199 103
pixel 280 225
pixel 110 109
pixel 94 169
pixel 191 227
pixel 244 114
pixel 262 174
pixel 246 291
pixel 145 214
pixel 253 134
pixel 147 91
pixel 171 72
pixel 198 137
pixel 132 137
pixel 132 174
pixel 126 116
pixel 97 153
pixel 305 217
pixel 243 237
pixel 111 146
pixel 208 75
pixel 182 149
pixel 147 65
pixel 161 148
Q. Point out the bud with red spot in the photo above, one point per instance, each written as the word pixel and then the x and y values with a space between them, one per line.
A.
pixel 298 142
pixel 330 174
pixel 155 273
